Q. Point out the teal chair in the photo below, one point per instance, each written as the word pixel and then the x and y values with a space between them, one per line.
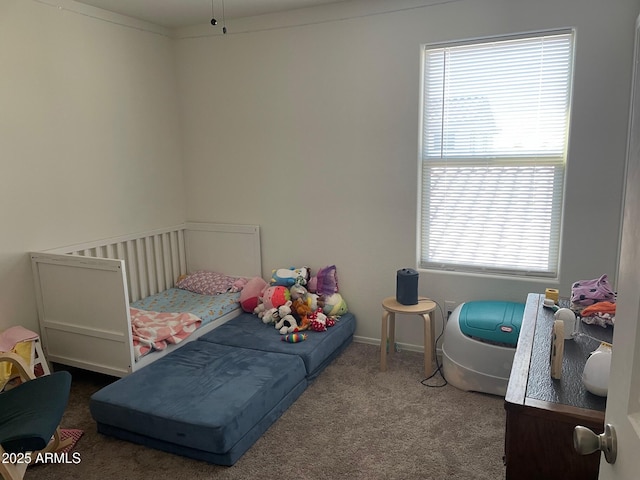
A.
pixel 30 415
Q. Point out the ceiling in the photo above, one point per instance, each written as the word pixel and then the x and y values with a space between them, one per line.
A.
pixel 183 13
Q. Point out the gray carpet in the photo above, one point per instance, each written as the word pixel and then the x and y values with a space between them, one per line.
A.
pixel 353 422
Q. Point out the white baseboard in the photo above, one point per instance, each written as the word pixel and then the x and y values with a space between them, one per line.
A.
pixel 399 346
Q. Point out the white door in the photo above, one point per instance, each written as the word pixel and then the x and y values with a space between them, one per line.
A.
pixel 623 401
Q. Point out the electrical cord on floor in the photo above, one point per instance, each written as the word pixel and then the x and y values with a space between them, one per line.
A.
pixel 438 365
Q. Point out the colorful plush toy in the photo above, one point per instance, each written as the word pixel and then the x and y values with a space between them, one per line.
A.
pixel 274 296
pixel 290 276
pixel 334 305
pixel 325 282
pixel 294 337
pixel 312 300
pixel 287 322
pixel 318 321
pixel 251 293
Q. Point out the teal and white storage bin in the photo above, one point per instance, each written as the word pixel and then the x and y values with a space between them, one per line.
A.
pixel 479 344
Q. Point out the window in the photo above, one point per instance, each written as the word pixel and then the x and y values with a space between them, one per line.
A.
pixel 495 120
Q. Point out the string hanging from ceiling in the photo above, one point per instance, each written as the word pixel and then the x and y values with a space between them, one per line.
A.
pixel 214 22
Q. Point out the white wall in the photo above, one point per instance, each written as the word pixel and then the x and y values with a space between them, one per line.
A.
pixel 89 138
pixel 307 124
pixel 304 122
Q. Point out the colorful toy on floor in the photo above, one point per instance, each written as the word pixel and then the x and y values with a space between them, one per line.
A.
pixel 294 337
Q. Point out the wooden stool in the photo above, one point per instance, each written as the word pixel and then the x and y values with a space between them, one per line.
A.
pixel 423 308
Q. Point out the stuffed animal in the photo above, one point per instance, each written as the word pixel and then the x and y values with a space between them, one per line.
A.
pixel 297 291
pixel 318 321
pixel 300 309
pixel 251 293
pixel 294 337
pixel 290 276
pixel 325 282
pixel 259 310
pixel 239 284
pixel 304 324
pixel 274 296
pixel 270 316
pixel 301 312
pixel 313 301
pixel 334 305
pixel 287 322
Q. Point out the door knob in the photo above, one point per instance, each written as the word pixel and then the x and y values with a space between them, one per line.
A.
pixel 586 442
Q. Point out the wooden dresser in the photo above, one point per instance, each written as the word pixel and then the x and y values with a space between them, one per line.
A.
pixel 542 412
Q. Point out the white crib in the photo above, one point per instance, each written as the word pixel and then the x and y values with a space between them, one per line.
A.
pixel 83 291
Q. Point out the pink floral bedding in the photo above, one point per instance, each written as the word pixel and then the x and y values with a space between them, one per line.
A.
pixel 156 330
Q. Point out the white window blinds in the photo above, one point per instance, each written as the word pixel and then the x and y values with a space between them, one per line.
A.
pixel 494 140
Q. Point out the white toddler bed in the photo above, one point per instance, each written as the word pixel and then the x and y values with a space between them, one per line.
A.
pixel 84 291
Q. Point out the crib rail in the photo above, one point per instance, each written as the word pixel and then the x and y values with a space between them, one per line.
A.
pixel 155 259
pixel 153 262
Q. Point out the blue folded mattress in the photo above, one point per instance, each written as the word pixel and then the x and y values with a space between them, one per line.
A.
pixel 317 351
pixel 205 400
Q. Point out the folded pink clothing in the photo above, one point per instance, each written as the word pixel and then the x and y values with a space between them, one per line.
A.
pixel 14 335
pixel 588 292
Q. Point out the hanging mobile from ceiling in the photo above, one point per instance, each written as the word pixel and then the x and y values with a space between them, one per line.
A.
pixel 214 22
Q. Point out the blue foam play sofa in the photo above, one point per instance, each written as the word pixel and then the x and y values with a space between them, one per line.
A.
pixel 214 397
